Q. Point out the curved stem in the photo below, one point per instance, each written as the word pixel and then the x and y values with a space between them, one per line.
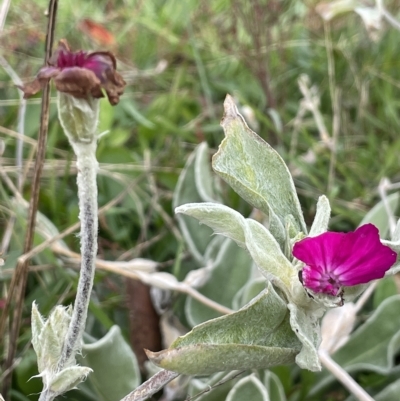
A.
pixel 344 377
pixel 151 386
pixel 87 193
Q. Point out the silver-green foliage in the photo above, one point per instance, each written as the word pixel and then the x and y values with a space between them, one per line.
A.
pixel 274 325
pixel 250 337
pixel 245 339
pixel 47 340
pixel 115 368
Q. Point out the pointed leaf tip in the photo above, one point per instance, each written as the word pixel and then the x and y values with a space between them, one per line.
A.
pixel 257 173
pixel 230 111
pixel 224 343
pixel 37 323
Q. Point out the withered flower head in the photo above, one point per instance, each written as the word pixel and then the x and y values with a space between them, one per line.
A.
pixel 80 74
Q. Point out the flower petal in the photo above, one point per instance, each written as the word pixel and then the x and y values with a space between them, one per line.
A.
pixel 99 63
pixel 103 64
pixel 333 260
pixel 78 82
pixel 114 86
pixel 44 75
pixel 369 259
pixel 31 88
pixel 320 251
pixel 63 46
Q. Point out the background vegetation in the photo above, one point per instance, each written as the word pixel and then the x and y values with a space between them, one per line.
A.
pixel 180 58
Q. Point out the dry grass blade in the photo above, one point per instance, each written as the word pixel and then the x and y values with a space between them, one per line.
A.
pixel 15 299
pixel 151 386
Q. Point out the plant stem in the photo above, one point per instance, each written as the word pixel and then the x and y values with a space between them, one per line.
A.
pixel 87 193
pixel 151 386
pixel 16 295
pixel 344 377
pixel 46 395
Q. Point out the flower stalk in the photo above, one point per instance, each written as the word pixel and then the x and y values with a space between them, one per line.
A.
pixel 87 194
pixel 79 119
pixel 344 377
pixel 80 78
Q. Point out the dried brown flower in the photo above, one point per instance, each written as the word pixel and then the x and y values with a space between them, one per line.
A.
pixel 80 74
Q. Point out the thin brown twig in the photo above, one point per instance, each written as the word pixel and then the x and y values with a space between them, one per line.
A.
pixel 17 135
pixel 47 243
pixel 18 282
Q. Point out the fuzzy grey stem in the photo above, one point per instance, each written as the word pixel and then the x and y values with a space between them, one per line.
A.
pixel 151 386
pixel 47 395
pixel 87 193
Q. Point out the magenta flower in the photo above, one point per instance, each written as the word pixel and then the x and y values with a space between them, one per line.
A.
pixel 80 74
pixel 336 260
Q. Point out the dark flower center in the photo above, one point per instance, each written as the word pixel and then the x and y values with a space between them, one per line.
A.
pixel 69 59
